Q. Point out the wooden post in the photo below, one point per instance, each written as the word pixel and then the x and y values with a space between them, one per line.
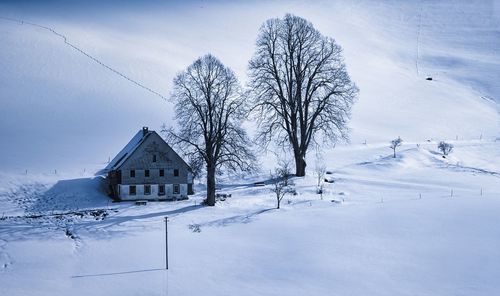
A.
pixel 166 243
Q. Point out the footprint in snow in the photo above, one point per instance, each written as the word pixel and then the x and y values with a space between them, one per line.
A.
pixel 5 260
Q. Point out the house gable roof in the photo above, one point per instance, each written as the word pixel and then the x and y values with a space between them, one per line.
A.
pixel 129 149
pixel 126 151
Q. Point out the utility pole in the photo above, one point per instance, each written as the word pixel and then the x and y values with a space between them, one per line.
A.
pixel 166 242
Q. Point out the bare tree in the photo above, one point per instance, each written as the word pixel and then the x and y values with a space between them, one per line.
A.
pixel 319 172
pixel 395 144
pixel 281 183
pixel 209 110
pixel 300 87
pixel 445 148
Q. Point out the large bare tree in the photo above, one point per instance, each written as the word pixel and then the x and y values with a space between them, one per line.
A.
pixel 209 109
pixel 300 86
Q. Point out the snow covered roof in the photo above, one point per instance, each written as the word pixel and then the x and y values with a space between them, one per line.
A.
pixel 124 154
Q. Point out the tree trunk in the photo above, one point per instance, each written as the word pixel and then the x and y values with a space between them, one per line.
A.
pixel 300 165
pixel 211 185
pixel 394 153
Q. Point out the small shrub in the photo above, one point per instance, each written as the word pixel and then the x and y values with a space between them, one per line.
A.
pixel 195 228
pixel 445 148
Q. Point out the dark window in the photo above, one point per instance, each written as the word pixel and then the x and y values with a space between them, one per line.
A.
pixel 162 173
pixel 154 157
pixel 147 189
pixel 131 190
pixel 176 173
pixel 177 189
pixel 161 189
pixel 132 173
pixel 146 173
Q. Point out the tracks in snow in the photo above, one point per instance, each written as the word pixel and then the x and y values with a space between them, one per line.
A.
pixel 5 259
pixel 83 52
pixel 418 37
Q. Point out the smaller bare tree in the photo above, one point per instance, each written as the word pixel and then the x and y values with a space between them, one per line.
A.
pixel 445 148
pixel 395 144
pixel 210 108
pixel 281 183
pixel 319 172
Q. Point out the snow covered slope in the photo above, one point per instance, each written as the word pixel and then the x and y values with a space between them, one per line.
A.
pixel 417 224
pixel 78 113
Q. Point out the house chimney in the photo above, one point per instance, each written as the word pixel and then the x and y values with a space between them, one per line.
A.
pixel 144 131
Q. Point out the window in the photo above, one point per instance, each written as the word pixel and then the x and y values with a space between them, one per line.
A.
pixel 176 172
pixel 147 189
pixel 161 189
pixel 146 173
pixel 162 173
pixel 132 173
pixel 177 189
pixel 154 157
pixel 131 190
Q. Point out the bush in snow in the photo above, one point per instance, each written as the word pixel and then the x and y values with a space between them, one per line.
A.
pixel 445 148
pixel 395 144
pixel 195 227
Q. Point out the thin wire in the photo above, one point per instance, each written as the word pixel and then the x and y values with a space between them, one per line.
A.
pixel 22 22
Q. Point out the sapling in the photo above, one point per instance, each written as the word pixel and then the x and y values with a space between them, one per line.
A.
pixel 319 172
pixel 395 144
pixel 281 183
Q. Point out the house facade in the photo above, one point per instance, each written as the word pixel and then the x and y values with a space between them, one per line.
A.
pixel 147 168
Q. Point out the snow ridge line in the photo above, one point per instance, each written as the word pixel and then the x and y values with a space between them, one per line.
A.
pixel 22 22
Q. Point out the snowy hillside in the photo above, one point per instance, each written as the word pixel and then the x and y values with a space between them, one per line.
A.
pixel 79 113
pixel 78 80
pixel 415 225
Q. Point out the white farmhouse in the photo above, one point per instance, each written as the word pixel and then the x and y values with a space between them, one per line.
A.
pixel 148 168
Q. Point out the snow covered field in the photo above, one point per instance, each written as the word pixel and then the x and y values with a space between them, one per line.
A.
pixel 395 228
pixel 418 224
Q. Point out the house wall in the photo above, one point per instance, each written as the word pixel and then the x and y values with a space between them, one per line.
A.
pixel 124 192
pixel 142 159
pixel 166 158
